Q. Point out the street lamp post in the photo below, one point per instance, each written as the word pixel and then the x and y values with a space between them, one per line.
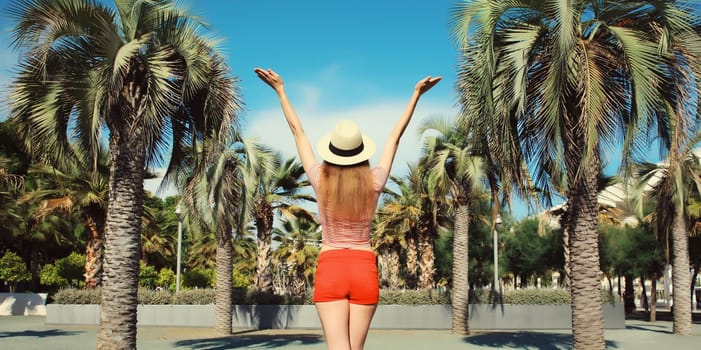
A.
pixel 178 213
pixel 497 285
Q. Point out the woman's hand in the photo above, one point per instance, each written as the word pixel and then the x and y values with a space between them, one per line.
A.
pixel 426 84
pixel 271 78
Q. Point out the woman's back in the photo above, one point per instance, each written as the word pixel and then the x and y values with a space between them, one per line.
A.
pixel 347 199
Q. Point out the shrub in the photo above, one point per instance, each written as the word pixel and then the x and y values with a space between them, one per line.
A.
pixel 13 270
pixel 154 297
pixel 413 297
pixel 194 297
pixel 49 276
pixel 72 269
pixel 608 296
pixel 77 296
pixel 93 296
pixel 166 279
pixel 241 279
pixel 148 276
pixel 239 295
pixel 67 271
pixel 532 296
pixel 198 278
pixel 482 296
pixel 265 298
pixel 243 296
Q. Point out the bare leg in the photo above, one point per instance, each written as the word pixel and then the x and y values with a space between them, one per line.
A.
pixel 360 318
pixel 334 316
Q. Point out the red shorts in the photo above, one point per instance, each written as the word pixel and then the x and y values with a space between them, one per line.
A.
pixel 347 274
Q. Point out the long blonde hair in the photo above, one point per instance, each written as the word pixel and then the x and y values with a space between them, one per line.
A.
pixel 347 191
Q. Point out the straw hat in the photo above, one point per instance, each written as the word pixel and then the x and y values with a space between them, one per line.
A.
pixel 345 145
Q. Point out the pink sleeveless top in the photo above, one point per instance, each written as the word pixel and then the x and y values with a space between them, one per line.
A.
pixel 343 233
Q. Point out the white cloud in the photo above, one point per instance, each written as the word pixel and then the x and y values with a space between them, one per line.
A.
pixel 154 186
pixel 319 108
pixel 311 96
pixel 376 120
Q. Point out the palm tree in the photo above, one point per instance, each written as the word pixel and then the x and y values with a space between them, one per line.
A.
pixel 74 190
pixel 202 252
pixel 9 180
pixel 275 190
pixel 672 184
pixel 679 114
pixel 215 194
pixel 400 213
pixel 13 168
pixel 387 241
pixel 142 73
pixel 255 159
pixel 433 216
pixel 299 239
pixel 244 258
pixel 555 83
pixel 158 244
pixel 454 170
pixel 11 187
pixel 412 212
pixel 14 160
pixel 694 209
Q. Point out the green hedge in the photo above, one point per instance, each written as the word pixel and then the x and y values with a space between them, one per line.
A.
pixel 242 296
pixel 193 297
pixel 537 297
pixel 413 297
pixel 75 296
pixel 92 296
pixel 184 297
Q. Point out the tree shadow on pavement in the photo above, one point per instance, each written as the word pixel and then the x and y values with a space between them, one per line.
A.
pixel 527 340
pixel 245 341
pixel 651 328
pixel 38 334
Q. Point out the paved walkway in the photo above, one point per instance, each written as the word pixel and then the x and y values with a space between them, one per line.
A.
pixel 30 332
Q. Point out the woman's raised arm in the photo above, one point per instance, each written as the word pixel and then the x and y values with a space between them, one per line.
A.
pixel 390 149
pixel 304 148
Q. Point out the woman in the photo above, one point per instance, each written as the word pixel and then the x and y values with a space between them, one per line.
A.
pixel 346 288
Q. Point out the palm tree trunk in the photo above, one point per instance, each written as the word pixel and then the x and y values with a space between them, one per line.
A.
pixel 427 261
pixel 566 252
pixel 681 276
pixel 394 267
pixel 225 270
pixel 412 260
pixel 653 298
pixel 460 290
pixel 93 252
pixel 644 301
pixel 264 272
pixel 264 226
pixel 581 225
pixel 299 287
pixel 34 270
pixel 629 294
pixel 122 240
pixel 692 281
pixel 383 264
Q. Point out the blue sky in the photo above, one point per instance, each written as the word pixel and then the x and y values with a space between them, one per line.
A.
pixel 357 60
